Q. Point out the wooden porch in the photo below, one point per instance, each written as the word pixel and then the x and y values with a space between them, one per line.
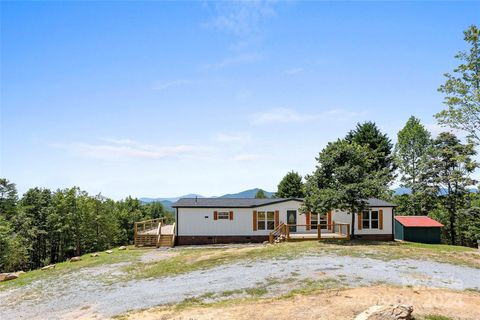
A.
pixel 299 232
pixel 154 233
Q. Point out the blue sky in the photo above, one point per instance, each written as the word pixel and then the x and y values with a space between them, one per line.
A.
pixel 167 98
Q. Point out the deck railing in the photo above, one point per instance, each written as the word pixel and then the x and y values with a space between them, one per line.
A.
pixel 146 225
pixel 334 230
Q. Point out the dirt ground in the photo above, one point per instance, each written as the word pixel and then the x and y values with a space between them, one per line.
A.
pixel 330 304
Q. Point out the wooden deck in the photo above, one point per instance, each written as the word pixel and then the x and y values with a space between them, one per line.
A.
pixel 154 233
pixel 314 236
pixel 288 232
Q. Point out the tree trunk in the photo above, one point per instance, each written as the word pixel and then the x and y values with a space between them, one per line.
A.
pixel 451 213
pixel 352 233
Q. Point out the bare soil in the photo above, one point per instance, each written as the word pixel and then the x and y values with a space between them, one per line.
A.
pixel 330 304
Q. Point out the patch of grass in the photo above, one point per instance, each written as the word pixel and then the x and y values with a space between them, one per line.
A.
pixel 308 286
pixel 434 317
pixel 229 293
pixel 201 259
pixel 129 255
pixel 256 292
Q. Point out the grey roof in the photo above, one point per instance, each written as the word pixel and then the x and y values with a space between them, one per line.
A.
pixel 374 202
pixel 250 203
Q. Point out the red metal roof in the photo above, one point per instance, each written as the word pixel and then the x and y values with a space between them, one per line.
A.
pixel 418 221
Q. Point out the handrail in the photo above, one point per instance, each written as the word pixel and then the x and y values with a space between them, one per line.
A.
pixel 159 232
pixel 330 227
pixel 173 235
pixel 275 232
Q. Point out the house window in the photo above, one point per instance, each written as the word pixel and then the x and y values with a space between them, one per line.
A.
pixel 313 221
pixel 370 219
pixel 323 220
pixel 223 215
pixel 266 220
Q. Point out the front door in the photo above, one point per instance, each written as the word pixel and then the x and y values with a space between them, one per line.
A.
pixel 292 219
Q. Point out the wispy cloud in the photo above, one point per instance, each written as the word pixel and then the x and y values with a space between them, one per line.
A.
pixel 240 137
pixel 241 18
pixel 287 115
pixel 246 157
pixel 128 149
pixel 160 86
pixel 233 61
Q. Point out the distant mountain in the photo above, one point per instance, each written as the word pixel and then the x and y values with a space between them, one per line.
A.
pixel 172 200
pixel 400 191
pixel 247 194
pixel 167 202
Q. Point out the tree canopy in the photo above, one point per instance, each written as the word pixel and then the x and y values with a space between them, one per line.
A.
pixel 368 134
pixel 291 186
pixel 462 89
pixel 44 227
pixel 260 194
pixel 450 165
pixel 344 179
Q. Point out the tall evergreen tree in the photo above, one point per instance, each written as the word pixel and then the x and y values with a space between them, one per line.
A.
pixel 411 155
pixel 450 165
pixel 260 194
pixel 368 134
pixel 291 186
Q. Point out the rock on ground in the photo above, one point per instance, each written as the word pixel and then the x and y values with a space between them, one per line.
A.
pixel 50 266
pixel 10 276
pixel 109 251
pixel 390 312
pixel 122 248
pixel 75 259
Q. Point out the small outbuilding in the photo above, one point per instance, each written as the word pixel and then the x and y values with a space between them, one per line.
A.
pixel 418 229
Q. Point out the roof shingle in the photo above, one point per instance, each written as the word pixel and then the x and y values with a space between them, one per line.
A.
pixel 250 203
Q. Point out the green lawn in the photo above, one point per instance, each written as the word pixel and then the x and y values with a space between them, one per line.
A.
pixel 67 266
pixel 183 260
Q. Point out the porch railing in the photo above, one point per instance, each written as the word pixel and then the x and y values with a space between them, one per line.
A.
pixel 323 231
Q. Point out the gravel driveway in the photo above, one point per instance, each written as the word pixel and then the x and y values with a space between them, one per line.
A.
pixel 83 294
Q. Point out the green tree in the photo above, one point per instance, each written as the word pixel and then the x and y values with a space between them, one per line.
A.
pixel 157 210
pixel 260 194
pixel 13 253
pixel 369 134
pixel 411 156
pixel 291 186
pixel 8 198
pixel 411 151
pixel 450 165
pixel 31 223
pixel 469 226
pixel 344 179
pixel 462 89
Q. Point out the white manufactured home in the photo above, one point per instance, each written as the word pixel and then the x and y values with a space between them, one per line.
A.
pixel 234 220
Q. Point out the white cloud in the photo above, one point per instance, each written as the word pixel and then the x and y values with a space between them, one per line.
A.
pixel 241 18
pixel 233 61
pixel 232 137
pixel 287 115
pixel 128 149
pixel 160 86
pixel 246 157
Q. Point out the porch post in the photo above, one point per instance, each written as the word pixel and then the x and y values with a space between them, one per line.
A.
pixel 319 231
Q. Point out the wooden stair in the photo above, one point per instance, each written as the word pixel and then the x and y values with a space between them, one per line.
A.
pixel 166 240
pixel 154 233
